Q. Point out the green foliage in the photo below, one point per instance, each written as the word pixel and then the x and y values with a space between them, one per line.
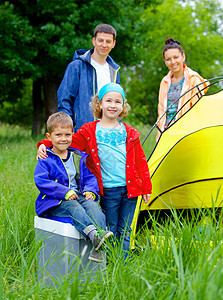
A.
pixel 16 53
pixel 18 111
pixel 198 27
pixel 39 39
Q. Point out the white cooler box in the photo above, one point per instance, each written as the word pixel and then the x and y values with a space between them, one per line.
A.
pixel 64 250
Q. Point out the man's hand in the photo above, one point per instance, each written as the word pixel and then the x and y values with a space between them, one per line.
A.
pixel 41 152
pixel 146 198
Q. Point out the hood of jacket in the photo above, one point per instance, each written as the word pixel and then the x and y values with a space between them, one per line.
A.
pixel 85 55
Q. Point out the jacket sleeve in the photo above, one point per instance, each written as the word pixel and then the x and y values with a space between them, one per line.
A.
pixel 118 78
pixel 68 89
pixel 46 185
pixel 46 142
pixel 162 91
pixel 143 168
pixel 161 99
pixel 194 81
pixel 90 183
pixel 78 141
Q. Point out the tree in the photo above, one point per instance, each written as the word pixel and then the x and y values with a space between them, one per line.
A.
pixel 44 34
pixel 16 53
pixel 32 49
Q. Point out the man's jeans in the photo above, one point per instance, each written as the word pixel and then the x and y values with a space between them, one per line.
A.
pixel 86 214
pixel 119 211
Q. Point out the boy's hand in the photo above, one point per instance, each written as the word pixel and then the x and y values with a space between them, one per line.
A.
pixel 146 198
pixel 89 195
pixel 41 152
pixel 73 197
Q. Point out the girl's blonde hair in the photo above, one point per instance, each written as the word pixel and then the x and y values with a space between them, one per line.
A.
pixel 97 111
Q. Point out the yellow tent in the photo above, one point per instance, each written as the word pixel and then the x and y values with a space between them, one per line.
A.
pixel 186 165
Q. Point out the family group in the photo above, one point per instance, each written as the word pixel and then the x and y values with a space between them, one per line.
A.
pixel 92 167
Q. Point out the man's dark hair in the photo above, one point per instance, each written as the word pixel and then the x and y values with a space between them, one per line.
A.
pixel 106 28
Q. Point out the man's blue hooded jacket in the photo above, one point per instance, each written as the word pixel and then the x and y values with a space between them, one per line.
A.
pixel 79 85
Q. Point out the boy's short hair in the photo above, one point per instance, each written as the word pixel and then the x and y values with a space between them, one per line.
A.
pixel 97 111
pixel 58 119
pixel 105 28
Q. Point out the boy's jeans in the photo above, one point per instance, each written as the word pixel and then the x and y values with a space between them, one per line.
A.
pixel 86 214
pixel 119 211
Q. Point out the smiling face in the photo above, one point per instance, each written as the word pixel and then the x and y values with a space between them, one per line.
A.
pixel 61 138
pixel 174 60
pixel 111 106
pixel 103 43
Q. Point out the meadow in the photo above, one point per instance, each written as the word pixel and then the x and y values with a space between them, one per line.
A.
pixel 183 261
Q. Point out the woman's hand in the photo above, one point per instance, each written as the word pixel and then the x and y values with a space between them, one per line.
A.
pixel 146 198
pixel 41 152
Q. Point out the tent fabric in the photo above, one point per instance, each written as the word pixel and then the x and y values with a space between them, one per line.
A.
pixel 186 167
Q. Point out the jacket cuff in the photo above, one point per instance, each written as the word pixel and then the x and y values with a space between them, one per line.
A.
pixel 146 192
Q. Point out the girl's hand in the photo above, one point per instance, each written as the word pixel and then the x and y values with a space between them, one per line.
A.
pixel 41 152
pixel 89 195
pixel 146 198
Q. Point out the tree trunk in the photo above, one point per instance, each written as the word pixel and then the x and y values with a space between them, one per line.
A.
pixel 50 95
pixel 37 107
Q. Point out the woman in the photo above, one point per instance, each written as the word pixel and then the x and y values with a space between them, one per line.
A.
pixel 179 80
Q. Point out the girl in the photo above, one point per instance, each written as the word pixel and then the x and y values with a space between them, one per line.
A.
pixel 116 158
pixel 179 80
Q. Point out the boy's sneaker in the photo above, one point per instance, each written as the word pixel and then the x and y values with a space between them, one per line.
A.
pixel 96 256
pixel 100 238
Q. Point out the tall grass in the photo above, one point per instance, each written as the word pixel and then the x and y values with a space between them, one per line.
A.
pixel 183 261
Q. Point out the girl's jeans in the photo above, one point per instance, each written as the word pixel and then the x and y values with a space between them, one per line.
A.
pixel 119 211
pixel 86 214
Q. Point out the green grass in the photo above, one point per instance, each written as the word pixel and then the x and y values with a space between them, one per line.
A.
pixel 184 261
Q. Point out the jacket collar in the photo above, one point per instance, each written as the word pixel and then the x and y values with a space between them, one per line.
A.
pixel 91 127
pixel 85 55
pixel 187 74
pixel 50 152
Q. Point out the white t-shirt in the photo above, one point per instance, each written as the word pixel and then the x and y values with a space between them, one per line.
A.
pixel 103 73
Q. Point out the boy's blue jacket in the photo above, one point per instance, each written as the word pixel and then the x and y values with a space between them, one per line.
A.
pixel 79 85
pixel 52 180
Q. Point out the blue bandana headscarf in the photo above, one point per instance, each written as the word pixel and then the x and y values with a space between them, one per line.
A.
pixel 111 87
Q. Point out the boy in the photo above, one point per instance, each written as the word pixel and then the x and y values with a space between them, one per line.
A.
pixel 67 187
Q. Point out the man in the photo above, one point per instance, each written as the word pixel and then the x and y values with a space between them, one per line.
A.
pixel 86 74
